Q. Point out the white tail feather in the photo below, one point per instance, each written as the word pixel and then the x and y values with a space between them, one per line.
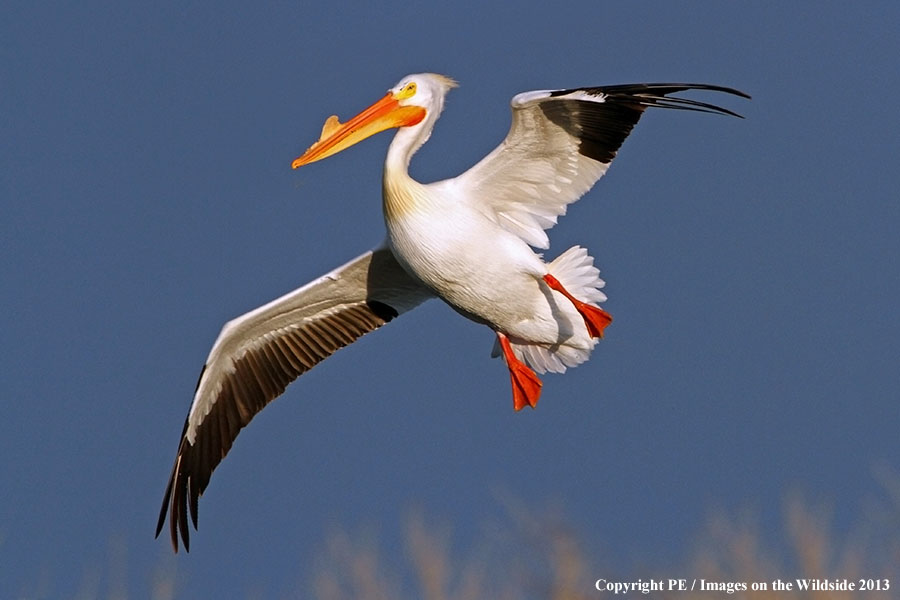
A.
pixel 575 270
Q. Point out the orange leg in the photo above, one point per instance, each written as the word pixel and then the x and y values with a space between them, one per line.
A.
pixel 595 318
pixel 526 386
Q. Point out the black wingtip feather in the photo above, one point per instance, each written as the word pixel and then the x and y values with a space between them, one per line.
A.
pixel 602 124
pixel 657 95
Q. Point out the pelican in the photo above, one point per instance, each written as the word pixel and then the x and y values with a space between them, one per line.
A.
pixel 468 240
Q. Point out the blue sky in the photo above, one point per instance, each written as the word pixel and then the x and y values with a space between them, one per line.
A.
pixel 146 197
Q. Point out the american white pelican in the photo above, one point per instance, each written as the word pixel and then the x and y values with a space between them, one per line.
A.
pixel 466 240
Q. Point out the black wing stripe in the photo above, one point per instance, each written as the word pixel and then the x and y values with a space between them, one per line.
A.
pixel 599 127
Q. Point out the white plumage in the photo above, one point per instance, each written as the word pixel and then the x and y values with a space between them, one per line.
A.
pixel 466 240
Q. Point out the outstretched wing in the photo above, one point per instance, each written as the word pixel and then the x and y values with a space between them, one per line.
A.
pixel 258 354
pixel 560 143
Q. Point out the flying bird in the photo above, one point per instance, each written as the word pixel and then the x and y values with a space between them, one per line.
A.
pixel 467 240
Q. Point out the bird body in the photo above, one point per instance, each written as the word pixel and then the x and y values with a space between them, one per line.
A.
pixel 483 271
pixel 448 235
pixel 468 240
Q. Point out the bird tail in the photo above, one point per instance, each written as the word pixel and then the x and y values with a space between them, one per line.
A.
pixel 575 270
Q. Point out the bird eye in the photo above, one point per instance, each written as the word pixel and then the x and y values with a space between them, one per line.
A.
pixel 407 91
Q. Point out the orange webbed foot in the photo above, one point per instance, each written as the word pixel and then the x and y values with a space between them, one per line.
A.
pixel 596 319
pixel 526 386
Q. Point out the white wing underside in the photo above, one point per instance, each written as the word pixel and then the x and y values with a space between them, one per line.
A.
pixel 560 143
pixel 353 283
pixel 528 181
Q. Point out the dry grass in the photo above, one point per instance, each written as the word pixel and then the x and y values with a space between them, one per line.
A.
pixel 537 555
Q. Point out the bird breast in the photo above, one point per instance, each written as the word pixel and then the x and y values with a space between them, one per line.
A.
pixel 477 267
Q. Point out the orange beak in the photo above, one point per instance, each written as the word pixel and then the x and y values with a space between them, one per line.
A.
pixel 337 136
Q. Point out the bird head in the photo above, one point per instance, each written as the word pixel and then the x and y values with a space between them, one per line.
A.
pixel 407 104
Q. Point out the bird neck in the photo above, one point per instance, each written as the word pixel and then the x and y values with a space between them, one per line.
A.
pixel 402 194
pixel 399 195
pixel 407 142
